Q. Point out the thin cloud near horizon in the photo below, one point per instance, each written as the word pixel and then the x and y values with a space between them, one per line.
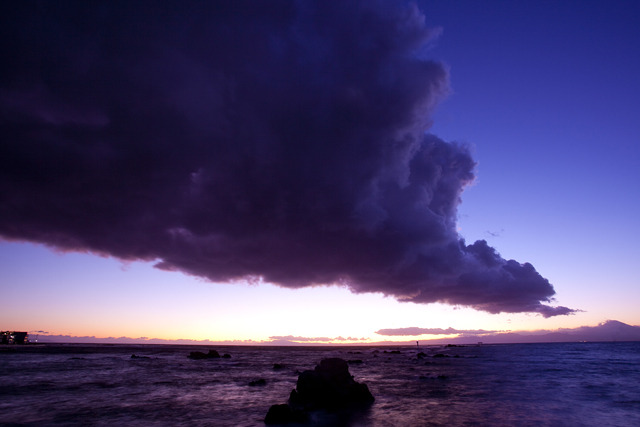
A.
pixel 313 339
pixel 415 331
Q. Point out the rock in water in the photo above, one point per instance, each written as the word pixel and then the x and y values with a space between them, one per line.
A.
pixel 133 356
pixel 213 354
pixel 329 386
pixel 198 355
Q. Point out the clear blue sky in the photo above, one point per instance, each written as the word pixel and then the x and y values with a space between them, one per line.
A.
pixel 548 94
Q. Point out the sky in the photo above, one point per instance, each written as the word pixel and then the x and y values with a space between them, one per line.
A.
pixel 318 172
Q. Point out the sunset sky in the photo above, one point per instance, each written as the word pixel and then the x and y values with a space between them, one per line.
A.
pixel 291 171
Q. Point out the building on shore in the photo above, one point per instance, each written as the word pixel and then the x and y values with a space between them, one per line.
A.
pixel 14 337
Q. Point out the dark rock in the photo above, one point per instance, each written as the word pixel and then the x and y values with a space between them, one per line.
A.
pixel 354 362
pixel 329 386
pixel 133 356
pixel 198 355
pixel 440 355
pixel 277 366
pixel 259 382
pixel 421 355
pixel 284 414
pixel 226 356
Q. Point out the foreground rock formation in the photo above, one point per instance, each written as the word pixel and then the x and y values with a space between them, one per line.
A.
pixel 328 387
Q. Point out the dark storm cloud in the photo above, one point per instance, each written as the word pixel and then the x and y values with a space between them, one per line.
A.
pixel 275 141
pixel 414 331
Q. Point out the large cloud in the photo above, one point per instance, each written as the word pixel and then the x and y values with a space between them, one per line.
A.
pixel 279 141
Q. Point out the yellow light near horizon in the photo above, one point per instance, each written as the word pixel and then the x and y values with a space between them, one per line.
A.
pixel 98 297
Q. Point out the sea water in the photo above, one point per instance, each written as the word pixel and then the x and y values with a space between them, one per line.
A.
pixel 572 384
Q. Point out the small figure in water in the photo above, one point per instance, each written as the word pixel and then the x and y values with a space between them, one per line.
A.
pixel 417 345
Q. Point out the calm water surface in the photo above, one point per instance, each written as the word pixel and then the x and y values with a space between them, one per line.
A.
pixel 589 384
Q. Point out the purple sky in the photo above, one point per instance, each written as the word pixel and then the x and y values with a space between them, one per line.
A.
pixel 305 144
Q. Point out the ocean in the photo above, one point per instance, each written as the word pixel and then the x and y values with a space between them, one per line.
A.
pixel 566 384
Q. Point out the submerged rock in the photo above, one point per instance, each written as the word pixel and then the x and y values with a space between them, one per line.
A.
pixel 259 382
pixel 329 387
pixel 198 355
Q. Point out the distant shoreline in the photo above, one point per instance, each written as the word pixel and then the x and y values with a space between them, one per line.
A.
pixel 405 347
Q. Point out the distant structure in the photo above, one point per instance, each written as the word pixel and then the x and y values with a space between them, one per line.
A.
pixel 14 337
